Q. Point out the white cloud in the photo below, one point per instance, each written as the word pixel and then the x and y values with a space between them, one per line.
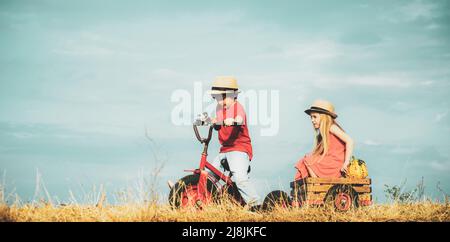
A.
pixel 426 83
pixel 418 9
pixel 307 51
pixel 85 51
pixel 96 43
pixel 440 166
pixel 411 12
pixel 313 51
pixel 370 142
pixel 401 106
pixel 381 80
pixel 22 135
pixel 440 116
pixel 433 26
pixel 224 18
pixel 405 150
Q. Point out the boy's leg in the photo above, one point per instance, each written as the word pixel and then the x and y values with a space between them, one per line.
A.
pixel 216 164
pixel 239 162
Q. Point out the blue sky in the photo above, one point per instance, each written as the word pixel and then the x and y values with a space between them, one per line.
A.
pixel 82 81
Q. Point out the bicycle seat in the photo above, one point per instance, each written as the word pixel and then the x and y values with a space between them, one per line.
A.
pixel 226 166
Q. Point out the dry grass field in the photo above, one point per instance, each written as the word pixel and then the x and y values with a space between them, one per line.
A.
pixel 140 204
pixel 424 211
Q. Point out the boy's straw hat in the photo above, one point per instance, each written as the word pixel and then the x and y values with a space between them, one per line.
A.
pixel 322 106
pixel 224 85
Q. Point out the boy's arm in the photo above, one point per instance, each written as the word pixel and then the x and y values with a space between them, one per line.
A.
pixel 240 116
pixel 239 120
pixel 230 121
pixel 215 122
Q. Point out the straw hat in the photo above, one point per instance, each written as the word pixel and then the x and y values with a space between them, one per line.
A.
pixel 224 85
pixel 322 106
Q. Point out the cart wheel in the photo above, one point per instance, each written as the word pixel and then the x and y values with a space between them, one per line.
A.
pixel 276 198
pixel 185 193
pixel 342 197
pixel 298 195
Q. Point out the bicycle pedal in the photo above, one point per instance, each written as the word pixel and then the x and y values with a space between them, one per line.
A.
pixel 199 204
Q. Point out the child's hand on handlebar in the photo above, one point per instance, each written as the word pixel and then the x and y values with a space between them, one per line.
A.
pixel 344 168
pixel 214 120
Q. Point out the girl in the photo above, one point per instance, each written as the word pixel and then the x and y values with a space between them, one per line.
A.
pixel 332 146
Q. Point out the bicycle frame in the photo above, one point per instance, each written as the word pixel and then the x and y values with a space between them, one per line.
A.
pixel 202 189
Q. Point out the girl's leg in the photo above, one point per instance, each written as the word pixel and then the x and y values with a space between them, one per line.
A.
pixel 302 169
pixel 311 172
pixel 239 163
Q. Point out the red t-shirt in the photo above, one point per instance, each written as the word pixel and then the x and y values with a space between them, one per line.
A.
pixel 234 138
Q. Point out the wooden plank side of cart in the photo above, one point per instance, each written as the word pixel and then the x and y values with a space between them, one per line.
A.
pixel 326 187
pixel 332 181
pixel 315 189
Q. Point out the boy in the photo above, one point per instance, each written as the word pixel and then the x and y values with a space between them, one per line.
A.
pixel 234 137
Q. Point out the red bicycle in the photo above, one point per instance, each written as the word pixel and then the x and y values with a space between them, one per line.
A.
pixel 201 187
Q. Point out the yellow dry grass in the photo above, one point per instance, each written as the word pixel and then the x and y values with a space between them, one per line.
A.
pixel 150 210
pixel 424 211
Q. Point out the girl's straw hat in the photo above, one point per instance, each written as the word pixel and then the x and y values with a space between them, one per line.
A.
pixel 322 106
pixel 224 85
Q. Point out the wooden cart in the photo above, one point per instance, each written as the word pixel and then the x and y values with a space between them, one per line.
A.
pixel 343 193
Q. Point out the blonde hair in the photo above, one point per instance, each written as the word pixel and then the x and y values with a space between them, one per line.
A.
pixel 321 141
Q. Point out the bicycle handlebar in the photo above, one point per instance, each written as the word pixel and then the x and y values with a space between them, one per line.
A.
pixel 197 134
pixel 211 126
pixel 204 120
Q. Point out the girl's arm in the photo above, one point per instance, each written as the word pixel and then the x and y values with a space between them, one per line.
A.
pixel 334 129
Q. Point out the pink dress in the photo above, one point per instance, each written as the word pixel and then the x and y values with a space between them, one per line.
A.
pixel 329 166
